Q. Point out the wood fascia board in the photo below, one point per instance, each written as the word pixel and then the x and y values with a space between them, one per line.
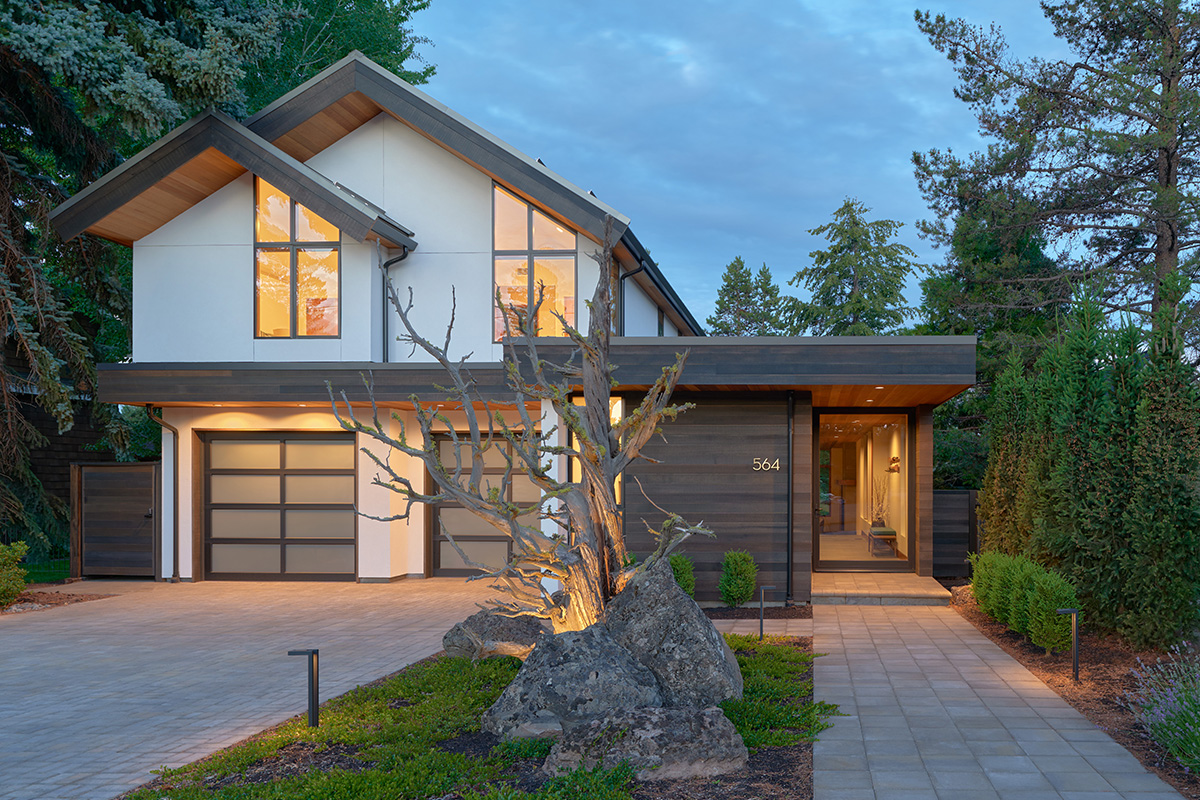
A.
pixel 212 129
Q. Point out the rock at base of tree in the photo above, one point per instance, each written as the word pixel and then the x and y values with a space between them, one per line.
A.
pixel 962 595
pixel 653 618
pixel 570 677
pixel 490 634
pixel 658 743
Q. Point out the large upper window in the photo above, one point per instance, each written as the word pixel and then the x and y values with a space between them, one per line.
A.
pixel 524 236
pixel 296 259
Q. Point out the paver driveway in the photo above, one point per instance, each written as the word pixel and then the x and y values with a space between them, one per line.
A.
pixel 95 695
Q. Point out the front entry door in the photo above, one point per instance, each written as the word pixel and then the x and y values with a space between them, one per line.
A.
pixel 864 489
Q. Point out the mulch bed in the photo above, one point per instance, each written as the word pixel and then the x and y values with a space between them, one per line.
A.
pixel 37 600
pixel 291 761
pixel 1105 664
pixel 751 612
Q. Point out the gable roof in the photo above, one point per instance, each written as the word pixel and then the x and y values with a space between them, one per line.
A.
pixel 194 161
pixel 345 95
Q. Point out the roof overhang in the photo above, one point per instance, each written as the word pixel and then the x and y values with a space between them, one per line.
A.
pixel 348 94
pixel 848 371
pixel 194 161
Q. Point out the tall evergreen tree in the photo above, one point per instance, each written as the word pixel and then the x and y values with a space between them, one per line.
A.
pixel 1007 420
pixel 1091 152
pixel 747 305
pixel 857 282
pixel 80 82
pixel 329 29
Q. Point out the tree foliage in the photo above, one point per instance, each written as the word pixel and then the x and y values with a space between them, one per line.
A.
pixel 1092 154
pixel 857 282
pixel 1093 471
pixel 80 83
pixel 329 29
pixel 747 304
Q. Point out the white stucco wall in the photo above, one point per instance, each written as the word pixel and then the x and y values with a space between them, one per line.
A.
pixel 641 313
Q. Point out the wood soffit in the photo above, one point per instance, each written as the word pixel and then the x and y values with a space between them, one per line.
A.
pixel 196 160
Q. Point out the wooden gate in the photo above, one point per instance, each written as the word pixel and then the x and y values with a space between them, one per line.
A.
pixel 114 519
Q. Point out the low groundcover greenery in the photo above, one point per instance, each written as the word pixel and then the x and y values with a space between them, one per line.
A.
pixel 397 723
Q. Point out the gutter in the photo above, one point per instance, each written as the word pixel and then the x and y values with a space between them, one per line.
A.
pixel 174 490
pixel 384 266
pixel 659 280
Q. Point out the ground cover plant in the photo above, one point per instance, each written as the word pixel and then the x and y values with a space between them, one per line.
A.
pixel 416 734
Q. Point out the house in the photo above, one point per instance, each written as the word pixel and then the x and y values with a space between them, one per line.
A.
pixel 257 248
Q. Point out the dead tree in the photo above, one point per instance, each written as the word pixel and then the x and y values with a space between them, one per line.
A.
pixel 584 551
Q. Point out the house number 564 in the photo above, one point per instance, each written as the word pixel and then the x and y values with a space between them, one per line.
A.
pixel 761 464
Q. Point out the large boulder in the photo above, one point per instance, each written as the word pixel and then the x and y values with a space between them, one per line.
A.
pixel 658 743
pixel 490 634
pixel 664 629
pixel 570 677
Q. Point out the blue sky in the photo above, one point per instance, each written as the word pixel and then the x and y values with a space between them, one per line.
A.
pixel 720 129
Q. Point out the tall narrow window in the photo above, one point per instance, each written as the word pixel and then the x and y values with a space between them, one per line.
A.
pixel 297 257
pixel 532 253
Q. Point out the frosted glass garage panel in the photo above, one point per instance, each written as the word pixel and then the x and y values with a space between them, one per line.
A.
pixel 320 488
pixel 493 457
pixel 491 554
pixel 461 522
pixel 320 524
pixel 245 523
pixel 244 489
pixel 319 455
pixel 245 558
pixel 230 454
pixel 316 558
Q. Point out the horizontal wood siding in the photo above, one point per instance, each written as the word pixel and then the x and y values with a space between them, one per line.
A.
pixel 706 475
pixel 117 519
pixel 802 504
pixel 954 531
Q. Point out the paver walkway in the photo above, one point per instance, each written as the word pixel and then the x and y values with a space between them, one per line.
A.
pixel 93 696
pixel 935 711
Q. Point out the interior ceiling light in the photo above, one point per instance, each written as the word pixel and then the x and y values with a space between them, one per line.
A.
pixel 870 401
pixel 878 387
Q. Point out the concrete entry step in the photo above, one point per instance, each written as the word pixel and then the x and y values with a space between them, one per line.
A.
pixel 877 589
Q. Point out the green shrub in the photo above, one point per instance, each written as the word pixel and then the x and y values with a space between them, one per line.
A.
pixel 1048 628
pixel 12 576
pixel 1166 701
pixel 1020 593
pixel 739 576
pixel 685 573
pixel 986 569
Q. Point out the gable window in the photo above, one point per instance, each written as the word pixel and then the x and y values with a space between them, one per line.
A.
pixel 531 250
pixel 297 257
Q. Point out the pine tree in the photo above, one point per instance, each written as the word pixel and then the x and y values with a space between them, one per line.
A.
pixel 747 305
pixel 857 282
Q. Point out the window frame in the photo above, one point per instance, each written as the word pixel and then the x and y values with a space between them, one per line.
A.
pixel 292 246
pixel 530 255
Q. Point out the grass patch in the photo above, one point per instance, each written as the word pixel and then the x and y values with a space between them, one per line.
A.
pixel 400 735
pixel 776 708
pixel 57 569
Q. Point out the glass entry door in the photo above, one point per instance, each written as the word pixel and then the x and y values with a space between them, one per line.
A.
pixel 863 519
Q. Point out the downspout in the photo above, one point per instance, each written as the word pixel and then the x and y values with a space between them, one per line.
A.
pixel 383 269
pixel 791 487
pixel 174 490
pixel 621 293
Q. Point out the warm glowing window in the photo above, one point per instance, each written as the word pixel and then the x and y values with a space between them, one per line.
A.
pixel 524 236
pixel 296 260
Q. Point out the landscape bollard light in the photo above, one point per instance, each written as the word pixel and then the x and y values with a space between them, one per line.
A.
pixel 1074 612
pixel 762 600
pixel 314 700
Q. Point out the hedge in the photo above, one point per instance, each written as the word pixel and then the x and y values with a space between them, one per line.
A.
pixel 739 575
pixel 1025 596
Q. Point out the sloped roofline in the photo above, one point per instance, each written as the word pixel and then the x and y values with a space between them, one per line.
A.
pixel 212 129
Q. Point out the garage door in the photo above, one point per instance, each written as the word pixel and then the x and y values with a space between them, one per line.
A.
pixel 280 507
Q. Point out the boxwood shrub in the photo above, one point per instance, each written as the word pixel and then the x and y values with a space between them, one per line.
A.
pixel 685 573
pixel 1025 596
pixel 12 576
pixel 739 576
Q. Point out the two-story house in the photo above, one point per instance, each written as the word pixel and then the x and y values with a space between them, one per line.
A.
pixel 257 254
